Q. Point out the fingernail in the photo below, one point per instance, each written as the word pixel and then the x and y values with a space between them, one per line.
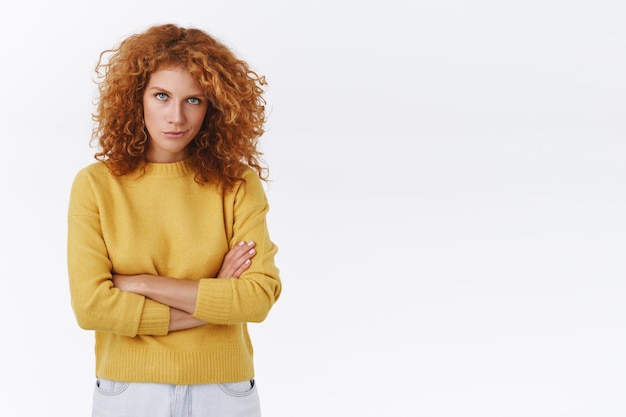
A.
pixel 251 251
pixel 241 243
pixel 251 243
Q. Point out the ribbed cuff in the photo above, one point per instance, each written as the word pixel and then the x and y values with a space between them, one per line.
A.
pixel 155 319
pixel 215 299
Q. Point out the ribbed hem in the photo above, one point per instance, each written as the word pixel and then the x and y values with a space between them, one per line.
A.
pixel 175 367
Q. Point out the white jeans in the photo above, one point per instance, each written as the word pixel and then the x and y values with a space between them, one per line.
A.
pixel 140 399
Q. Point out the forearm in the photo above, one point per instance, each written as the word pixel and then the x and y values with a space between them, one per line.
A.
pixel 180 294
pixel 180 320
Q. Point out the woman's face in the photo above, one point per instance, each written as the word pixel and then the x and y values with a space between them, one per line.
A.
pixel 174 107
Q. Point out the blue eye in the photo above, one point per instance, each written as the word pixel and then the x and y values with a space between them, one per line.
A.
pixel 161 96
pixel 193 100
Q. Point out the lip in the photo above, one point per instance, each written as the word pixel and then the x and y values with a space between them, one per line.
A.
pixel 175 134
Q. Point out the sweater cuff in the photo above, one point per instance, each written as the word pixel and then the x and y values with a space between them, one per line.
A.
pixel 215 299
pixel 155 319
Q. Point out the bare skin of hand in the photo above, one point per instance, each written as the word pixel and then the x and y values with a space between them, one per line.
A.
pixel 237 260
pixel 181 294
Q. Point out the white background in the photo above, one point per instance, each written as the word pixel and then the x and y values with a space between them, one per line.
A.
pixel 447 196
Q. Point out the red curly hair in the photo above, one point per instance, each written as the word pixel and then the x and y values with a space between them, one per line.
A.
pixel 227 141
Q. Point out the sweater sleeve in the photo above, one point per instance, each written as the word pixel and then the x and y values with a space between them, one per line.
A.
pixel 96 303
pixel 249 298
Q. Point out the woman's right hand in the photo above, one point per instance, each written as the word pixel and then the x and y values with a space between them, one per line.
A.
pixel 237 260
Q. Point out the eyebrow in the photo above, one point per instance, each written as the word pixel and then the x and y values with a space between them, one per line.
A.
pixel 165 90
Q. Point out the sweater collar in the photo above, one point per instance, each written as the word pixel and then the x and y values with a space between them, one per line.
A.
pixel 171 169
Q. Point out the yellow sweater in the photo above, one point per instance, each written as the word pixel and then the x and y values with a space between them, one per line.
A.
pixel 162 222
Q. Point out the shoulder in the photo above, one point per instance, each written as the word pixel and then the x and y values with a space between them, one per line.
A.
pixel 250 189
pixel 252 181
pixel 82 195
pixel 90 176
pixel 95 169
pixel 250 175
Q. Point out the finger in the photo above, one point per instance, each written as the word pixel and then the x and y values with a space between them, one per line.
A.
pixel 236 258
pixel 242 254
pixel 242 248
pixel 242 268
pixel 242 259
pixel 235 267
pixel 234 251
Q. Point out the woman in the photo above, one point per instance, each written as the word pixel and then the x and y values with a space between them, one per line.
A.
pixel 169 255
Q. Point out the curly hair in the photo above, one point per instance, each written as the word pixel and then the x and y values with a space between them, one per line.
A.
pixel 227 141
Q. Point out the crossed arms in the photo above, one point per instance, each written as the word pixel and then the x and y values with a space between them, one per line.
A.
pixel 181 294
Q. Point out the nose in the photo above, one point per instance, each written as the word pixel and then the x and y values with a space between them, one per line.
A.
pixel 176 113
